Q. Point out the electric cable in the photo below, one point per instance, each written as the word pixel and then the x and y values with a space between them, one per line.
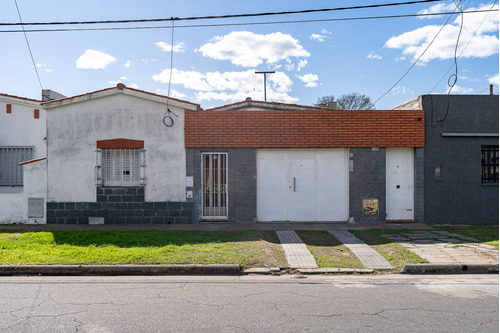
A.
pixel 463 50
pixel 249 23
pixel 192 18
pixel 453 77
pixel 28 44
pixel 167 118
pixel 419 57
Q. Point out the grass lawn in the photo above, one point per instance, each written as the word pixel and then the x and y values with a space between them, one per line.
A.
pixel 484 233
pixel 328 251
pixel 394 253
pixel 246 248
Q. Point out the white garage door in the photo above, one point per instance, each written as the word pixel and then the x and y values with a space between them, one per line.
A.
pixel 302 185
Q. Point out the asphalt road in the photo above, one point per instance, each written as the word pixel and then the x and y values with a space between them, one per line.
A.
pixel 387 303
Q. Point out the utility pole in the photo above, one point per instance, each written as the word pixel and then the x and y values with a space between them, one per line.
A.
pixel 265 85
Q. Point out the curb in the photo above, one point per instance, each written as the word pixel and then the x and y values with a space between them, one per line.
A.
pixel 450 269
pixel 189 269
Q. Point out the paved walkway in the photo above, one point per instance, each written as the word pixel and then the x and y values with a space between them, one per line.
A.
pixel 297 254
pixel 442 247
pixel 368 256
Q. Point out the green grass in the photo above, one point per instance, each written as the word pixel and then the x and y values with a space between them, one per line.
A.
pixel 246 248
pixel 394 253
pixel 328 251
pixel 484 233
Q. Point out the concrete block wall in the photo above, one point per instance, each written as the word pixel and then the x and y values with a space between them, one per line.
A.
pixel 119 205
pixel 367 181
pixel 242 183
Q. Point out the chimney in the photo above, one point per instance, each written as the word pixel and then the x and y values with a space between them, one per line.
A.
pixel 332 105
pixel 50 95
pixel 491 89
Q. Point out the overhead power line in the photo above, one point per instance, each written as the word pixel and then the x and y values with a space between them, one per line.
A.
pixel 421 55
pixel 192 18
pixel 28 44
pixel 251 23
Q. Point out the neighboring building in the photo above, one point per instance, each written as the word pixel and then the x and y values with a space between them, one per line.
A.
pixel 112 159
pixel 256 161
pixel 461 157
pixel 22 138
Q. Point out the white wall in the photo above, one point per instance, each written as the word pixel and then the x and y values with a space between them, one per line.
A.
pixel 14 206
pixel 20 128
pixel 74 128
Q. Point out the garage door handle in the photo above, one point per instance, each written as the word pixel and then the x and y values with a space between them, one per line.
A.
pixel 294 184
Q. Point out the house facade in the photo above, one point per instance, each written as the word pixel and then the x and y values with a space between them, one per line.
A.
pixel 257 162
pixel 461 157
pixel 22 139
pixel 116 156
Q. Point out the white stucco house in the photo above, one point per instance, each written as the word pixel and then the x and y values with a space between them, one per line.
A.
pixel 22 139
pixel 116 154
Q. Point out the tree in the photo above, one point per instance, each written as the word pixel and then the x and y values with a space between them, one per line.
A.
pixel 352 101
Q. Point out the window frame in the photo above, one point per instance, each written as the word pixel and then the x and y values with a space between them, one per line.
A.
pixel 489 164
pixel 10 157
pixel 127 168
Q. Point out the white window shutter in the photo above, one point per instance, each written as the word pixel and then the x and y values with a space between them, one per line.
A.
pixel 121 167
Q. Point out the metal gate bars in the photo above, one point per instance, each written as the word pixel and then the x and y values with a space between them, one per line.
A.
pixel 214 182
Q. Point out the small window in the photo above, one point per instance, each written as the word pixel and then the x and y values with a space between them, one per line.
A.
pixel 11 173
pixel 489 164
pixel 121 167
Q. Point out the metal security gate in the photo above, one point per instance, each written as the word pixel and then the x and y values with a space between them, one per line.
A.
pixel 214 183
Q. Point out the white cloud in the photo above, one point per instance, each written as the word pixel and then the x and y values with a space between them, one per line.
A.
pixel 246 49
pixel 460 90
pixel 400 90
pixel 311 80
pixel 93 59
pixel 301 64
pixel 493 79
pixel 233 86
pixel 43 67
pixel 166 47
pixel 321 37
pixel 189 79
pixel 127 63
pixel 439 8
pixel 483 44
pixel 114 82
pixel 372 55
pixel 123 77
pixel 318 37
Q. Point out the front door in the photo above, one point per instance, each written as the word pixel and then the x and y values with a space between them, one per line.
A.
pixel 214 186
pixel 399 184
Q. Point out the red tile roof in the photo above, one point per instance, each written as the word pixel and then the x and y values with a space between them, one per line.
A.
pixel 21 98
pixel 121 86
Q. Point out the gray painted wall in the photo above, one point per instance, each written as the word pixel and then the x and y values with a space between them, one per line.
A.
pixel 459 197
pixel 242 182
pixel 367 181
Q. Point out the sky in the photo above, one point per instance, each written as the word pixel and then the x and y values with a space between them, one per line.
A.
pixel 215 64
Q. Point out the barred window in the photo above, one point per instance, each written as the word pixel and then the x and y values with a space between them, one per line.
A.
pixel 489 164
pixel 121 167
pixel 11 173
